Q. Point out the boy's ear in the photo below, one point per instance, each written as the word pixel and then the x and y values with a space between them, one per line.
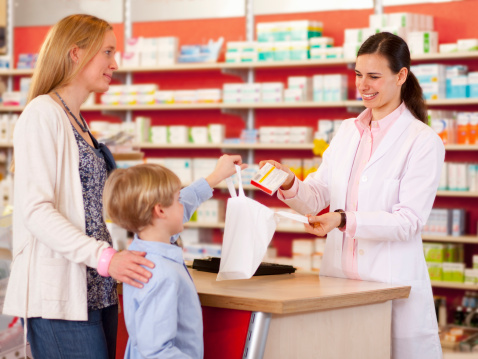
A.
pixel 158 212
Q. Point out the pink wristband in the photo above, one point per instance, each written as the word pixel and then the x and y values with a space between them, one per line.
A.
pixel 104 262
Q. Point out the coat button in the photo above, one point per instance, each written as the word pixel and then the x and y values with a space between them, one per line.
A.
pixel 361 252
pixel 364 178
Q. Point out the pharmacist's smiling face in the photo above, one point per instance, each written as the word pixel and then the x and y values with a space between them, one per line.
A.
pixel 377 84
pixel 97 74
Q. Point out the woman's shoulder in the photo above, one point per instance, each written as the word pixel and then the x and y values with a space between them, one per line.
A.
pixel 43 109
pixel 42 103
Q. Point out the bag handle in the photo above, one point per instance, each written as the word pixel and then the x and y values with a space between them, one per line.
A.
pixel 230 184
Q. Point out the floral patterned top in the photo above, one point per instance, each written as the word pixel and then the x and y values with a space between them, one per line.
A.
pixel 101 290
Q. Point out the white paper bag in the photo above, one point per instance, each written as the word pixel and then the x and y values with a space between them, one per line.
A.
pixel 248 230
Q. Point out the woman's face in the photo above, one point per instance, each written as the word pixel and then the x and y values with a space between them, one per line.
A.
pixel 377 84
pixel 96 75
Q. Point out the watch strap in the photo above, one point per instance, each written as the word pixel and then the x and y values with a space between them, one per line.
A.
pixel 343 218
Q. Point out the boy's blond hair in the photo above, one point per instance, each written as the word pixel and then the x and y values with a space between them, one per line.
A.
pixel 130 194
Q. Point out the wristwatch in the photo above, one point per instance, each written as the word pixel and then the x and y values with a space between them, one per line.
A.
pixel 343 218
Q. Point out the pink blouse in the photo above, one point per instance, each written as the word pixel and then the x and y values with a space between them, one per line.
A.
pixel 371 134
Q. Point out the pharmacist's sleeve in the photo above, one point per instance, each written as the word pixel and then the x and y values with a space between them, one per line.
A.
pixel 416 194
pixel 36 141
pixel 312 195
pixel 156 322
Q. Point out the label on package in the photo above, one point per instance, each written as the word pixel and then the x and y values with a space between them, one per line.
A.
pixel 269 178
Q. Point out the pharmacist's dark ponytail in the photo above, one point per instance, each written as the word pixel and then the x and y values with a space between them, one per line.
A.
pixel 396 51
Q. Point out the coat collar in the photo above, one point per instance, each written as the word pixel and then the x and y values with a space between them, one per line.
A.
pixel 392 136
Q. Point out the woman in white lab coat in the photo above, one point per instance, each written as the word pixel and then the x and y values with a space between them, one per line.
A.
pixel 379 176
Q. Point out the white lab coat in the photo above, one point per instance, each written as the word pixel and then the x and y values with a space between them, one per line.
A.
pixel 396 193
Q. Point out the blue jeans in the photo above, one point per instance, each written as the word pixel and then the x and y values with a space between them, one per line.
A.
pixel 68 339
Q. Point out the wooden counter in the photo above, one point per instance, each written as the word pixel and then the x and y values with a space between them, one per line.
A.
pixel 312 317
pixel 291 293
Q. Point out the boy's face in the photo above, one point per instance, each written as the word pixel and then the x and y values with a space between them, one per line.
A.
pixel 175 214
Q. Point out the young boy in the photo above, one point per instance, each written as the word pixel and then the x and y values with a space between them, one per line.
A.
pixel 163 318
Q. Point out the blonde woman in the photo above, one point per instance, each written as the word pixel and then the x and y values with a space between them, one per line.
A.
pixel 64 271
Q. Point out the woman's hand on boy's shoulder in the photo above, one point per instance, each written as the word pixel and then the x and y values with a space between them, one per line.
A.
pixel 225 167
pixel 126 267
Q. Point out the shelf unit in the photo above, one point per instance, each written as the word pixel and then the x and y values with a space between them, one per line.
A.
pixel 245 106
pixel 451 239
pixel 260 65
pixel 453 285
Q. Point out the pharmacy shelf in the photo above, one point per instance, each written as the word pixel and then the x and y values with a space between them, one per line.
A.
pixel 244 106
pixel 455 147
pixel 465 194
pixel 286 229
pixel 233 146
pixel 6 145
pixel 449 239
pixel 453 285
pixel 259 65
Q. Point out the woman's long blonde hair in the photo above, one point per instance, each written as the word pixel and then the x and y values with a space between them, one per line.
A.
pixel 55 67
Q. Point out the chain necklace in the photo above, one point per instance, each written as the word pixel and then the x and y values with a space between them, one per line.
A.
pixel 83 127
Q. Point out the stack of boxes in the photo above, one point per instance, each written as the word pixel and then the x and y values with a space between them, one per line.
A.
pixel 329 88
pixel 197 244
pixel 445 262
pixel 299 89
pixel 285 134
pixel 416 29
pixel 307 254
pixel 327 129
pixel 462 45
pixel 283 41
pixel 432 79
pixel 150 52
pixel 26 61
pixel 457 176
pixel 461 128
pixel 7 126
pixel 445 222
pixel 187 169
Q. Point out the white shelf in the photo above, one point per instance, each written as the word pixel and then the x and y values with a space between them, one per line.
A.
pixel 460 239
pixel 456 147
pixel 244 106
pixel 453 285
pixel 259 65
pixel 235 146
pixel 465 194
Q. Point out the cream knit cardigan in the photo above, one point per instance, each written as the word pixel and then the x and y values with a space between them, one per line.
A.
pixel 50 248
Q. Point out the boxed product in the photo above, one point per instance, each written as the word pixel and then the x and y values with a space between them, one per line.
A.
pixel 178 134
pixel 211 211
pixel 467 44
pixel 434 252
pixel 435 270
pixel 423 42
pixel 158 134
pixel 198 134
pixel 216 133
pixel 454 272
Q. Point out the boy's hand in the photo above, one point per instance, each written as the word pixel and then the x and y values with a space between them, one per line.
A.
pixel 126 267
pixel 290 176
pixel 225 168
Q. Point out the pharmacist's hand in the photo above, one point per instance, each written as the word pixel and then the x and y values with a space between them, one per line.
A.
pixel 321 225
pixel 225 167
pixel 290 175
pixel 125 266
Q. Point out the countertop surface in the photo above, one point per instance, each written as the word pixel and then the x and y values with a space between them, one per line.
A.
pixel 292 293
